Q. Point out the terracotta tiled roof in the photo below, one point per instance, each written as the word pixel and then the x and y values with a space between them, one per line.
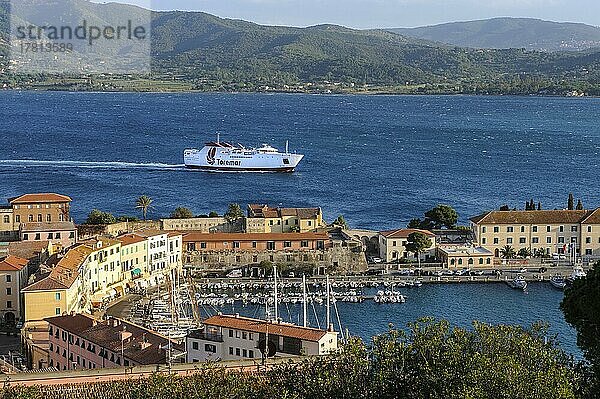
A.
pixel 264 211
pixel 66 271
pixel 107 334
pixel 593 217
pixel 175 233
pixel 28 249
pixel 12 263
pixel 128 239
pixel 261 326
pixel 40 197
pixel 216 237
pixel 106 242
pixel 404 233
pixel 42 226
pixel 532 217
pixel 150 233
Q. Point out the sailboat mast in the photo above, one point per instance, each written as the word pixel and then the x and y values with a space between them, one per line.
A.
pixel 304 301
pixel 328 304
pixel 275 292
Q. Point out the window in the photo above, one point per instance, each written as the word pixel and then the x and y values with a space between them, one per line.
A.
pixel 210 348
pixel 471 261
pixel 588 240
pixel 39 218
pixel 535 240
pixel 50 236
pixel 244 352
pixel 481 261
pixel 244 335
pixel 522 240
pixel 510 229
pixel 236 244
pixel 495 240
pixel 8 291
pixel 18 218
pixel 483 229
pixel 57 296
pixel 589 229
pixel 548 240
pixel 57 236
pixel 484 241
pixel 37 236
pixel 231 350
pixel 6 219
pixel 522 229
pixel 25 237
pixel 573 239
pixel 287 244
pixel 230 333
pixel 460 261
pixel 9 304
pixel 195 345
pixel 548 229
pixel 254 244
pixel 573 229
pixel 271 246
pixel 237 351
pixel 561 229
pixel 561 240
pixel 8 278
pixel 534 229
pixel 57 311
pixel 496 229
pixel 588 252
pixel 304 244
pixel 509 240
pixel 48 218
pixel 251 354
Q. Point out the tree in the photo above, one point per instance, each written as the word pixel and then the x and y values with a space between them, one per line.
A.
pixel 415 224
pixel 579 205
pixel 417 243
pixel 234 212
pixel 524 253
pixel 341 222
pixel 539 207
pixel 181 213
pixel 508 252
pixel 144 203
pixel 581 307
pixel 571 202
pixel 441 216
pixel 99 218
pixel 504 208
pixel 213 214
pixel 126 218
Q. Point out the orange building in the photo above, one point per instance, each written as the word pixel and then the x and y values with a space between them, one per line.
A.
pixel 256 242
pixel 41 208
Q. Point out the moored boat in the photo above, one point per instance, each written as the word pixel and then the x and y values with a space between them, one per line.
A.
pixel 519 283
pixel 558 282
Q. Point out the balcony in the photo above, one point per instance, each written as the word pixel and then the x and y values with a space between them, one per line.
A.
pixel 207 336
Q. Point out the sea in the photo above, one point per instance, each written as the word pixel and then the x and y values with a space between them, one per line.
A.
pixel 377 160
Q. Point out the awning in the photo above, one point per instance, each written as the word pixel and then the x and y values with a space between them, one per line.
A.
pixel 119 290
pixel 136 272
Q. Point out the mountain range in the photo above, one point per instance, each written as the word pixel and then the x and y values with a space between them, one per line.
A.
pixel 500 33
pixel 212 53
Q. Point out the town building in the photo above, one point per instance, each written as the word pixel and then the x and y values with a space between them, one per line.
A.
pixel 465 257
pixel 158 254
pixel 203 225
pixel 264 219
pixel 13 278
pixel 392 245
pixel 79 341
pixel 61 234
pixel 226 338
pixel 552 231
pixel 134 257
pixel 174 250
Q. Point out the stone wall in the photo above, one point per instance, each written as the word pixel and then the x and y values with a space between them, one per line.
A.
pixel 203 225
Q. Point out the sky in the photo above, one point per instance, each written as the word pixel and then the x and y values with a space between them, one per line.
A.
pixel 382 13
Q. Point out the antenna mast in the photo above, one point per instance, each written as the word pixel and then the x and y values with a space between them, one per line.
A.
pixel 304 300
pixel 328 304
pixel 275 292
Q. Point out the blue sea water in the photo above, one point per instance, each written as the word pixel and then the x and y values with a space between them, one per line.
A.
pixel 378 160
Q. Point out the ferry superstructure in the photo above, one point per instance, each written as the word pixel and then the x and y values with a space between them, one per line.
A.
pixel 225 157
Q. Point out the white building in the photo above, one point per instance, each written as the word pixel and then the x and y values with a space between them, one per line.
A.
pixel 226 338
pixel 158 254
pixel 175 245
pixel 392 245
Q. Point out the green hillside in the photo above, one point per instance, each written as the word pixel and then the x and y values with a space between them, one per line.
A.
pixel 198 51
pixel 499 33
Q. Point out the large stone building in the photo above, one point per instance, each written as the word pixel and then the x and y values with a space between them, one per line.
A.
pixel 61 234
pixel 318 253
pixel 43 208
pixel 392 245
pixel 264 219
pixel 226 338
pixel 13 278
pixel 553 231
pixel 470 257
pixel 203 225
pixel 79 342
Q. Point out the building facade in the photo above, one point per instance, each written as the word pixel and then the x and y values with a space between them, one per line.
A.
pixel 78 342
pixel 461 257
pixel 61 234
pixel 392 245
pixel 226 338
pixel 134 256
pixel 554 232
pixel 203 225
pixel 264 219
pixel 13 278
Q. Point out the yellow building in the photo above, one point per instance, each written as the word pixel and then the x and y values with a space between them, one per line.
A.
pixel 263 219
pixel 134 256
pixel 392 245
pixel 103 274
pixel 552 231
pixel 13 277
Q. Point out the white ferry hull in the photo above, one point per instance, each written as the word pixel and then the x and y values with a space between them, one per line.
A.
pixel 219 159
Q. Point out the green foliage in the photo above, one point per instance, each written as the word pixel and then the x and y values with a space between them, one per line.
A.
pixel 442 216
pixel 234 212
pixel 341 222
pixel 213 214
pixel 125 218
pixel 428 360
pixel 182 213
pixel 417 243
pixel 524 253
pixel 571 202
pixel 508 252
pixel 99 218
pixel 579 206
pixel 581 307
pixel 144 203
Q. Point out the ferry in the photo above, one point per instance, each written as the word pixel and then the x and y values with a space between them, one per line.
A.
pixel 225 157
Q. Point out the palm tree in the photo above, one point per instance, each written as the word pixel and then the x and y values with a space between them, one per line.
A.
pixel 525 253
pixel 508 252
pixel 144 203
